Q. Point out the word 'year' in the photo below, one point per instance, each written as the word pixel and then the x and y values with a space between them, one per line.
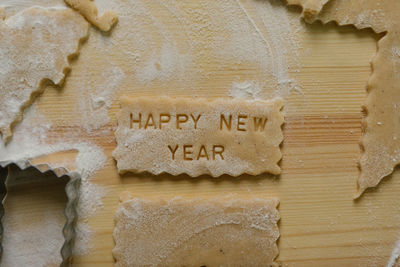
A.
pixel 189 153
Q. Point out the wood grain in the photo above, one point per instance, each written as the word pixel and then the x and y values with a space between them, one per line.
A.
pixel 321 225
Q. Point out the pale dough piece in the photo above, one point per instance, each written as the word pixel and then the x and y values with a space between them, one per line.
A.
pixel 89 10
pixel 251 145
pixel 381 140
pixel 2 13
pixel 310 7
pixel 228 231
pixel 381 16
pixel 35 45
pixel 374 14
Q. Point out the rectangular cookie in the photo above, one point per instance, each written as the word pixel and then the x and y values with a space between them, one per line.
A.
pixel 227 231
pixel 199 136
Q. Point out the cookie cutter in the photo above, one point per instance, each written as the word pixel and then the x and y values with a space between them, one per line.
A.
pixel 72 193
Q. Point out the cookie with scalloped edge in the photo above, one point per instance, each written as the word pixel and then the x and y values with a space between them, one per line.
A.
pixel 221 231
pixel 381 132
pixel 381 139
pixel 36 45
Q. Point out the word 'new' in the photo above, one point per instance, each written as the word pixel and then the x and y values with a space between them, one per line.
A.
pixel 180 121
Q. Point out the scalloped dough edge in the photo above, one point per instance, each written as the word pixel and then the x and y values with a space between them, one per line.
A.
pixel 277 104
pixel 7 133
pixel 187 210
pixel 313 8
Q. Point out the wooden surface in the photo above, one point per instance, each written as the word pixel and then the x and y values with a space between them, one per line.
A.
pixel 321 224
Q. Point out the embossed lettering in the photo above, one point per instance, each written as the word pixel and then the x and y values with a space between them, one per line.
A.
pixel 187 152
pixel 148 123
pixel 218 149
pixel 202 153
pixel 223 121
pixel 258 123
pixel 198 136
pixel 181 118
pixel 241 123
pixel 195 120
pixel 132 121
pixel 164 118
pixel 173 151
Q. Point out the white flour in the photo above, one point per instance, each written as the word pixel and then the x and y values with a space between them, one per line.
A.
pixel 395 255
pixel 212 37
pixel 97 99
pixel 31 54
pixel 13 6
pixel 89 203
pixel 29 140
pixel 38 244
pixel 246 90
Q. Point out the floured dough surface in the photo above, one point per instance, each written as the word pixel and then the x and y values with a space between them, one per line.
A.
pixel 89 10
pixel 199 136
pixel 227 231
pixel 35 45
pixel 381 139
pixel 380 142
pixel 381 16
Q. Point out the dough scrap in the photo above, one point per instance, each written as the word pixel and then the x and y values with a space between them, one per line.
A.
pixel 89 10
pixel 381 16
pixel 378 15
pixel 380 144
pixel 228 231
pixel 155 147
pixel 310 7
pixel 381 132
pixel 35 45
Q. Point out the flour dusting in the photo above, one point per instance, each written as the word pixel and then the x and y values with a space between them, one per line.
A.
pixel 90 202
pixel 246 90
pixel 97 99
pixel 31 140
pixel 213 37
pixel 164 65
pixel 395 255
pixel 38 244
pixel 84 233
pixel 14 6
pixel 34 46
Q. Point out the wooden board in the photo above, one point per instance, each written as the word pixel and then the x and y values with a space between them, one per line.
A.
pixel 321 225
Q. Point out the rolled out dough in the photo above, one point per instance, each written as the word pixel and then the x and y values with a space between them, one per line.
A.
pixel 199 136
pixel 381 140
pixel 229 231
pixel 35 45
